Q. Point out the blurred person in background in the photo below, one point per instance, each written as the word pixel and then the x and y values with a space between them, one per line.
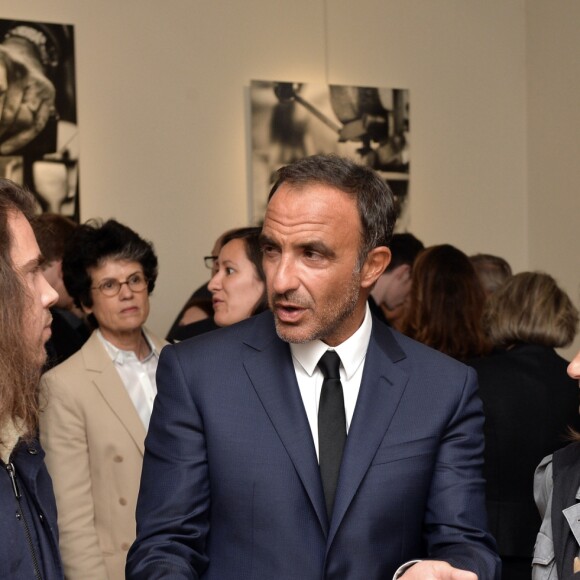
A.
pixel 492 271
pixel 446 304
pixel 394 285
pixel 69 326
pixel 529 403
pixel 238 287
pixel 196 316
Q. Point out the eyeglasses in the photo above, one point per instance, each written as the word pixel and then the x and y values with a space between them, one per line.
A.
pixel 111 287
pixel 209 261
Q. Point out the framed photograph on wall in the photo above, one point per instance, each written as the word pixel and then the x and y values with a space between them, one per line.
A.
pixel 39 144
pixel 291 120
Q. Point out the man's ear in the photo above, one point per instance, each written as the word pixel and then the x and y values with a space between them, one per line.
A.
pixel 375 264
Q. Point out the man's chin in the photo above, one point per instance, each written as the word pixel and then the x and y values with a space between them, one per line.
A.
pixel 292 333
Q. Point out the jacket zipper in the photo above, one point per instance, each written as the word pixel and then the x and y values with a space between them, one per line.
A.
pixel 12 473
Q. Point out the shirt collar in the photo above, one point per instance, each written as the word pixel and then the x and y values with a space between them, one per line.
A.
pixel 352 351
pixel 120 356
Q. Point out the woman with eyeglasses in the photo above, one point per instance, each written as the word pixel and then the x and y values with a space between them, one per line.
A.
pixel 97 403
pixel 237 285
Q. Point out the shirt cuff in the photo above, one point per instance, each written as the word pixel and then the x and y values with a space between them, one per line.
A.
pixel 402 569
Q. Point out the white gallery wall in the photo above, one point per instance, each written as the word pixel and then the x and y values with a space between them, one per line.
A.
pixel 553 142
pixel 163 121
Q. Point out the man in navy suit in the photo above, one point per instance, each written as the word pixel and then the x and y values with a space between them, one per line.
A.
pixel 231 486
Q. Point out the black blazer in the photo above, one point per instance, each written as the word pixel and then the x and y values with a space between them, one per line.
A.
pixel 529 402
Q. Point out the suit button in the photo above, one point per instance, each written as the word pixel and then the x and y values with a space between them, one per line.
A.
pixel 41 517
pixel 117 459
pixel 125 546
pixel 122 501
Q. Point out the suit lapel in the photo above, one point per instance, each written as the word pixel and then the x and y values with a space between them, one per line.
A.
pixel 268 363
pixel 382 386
pixel 104 376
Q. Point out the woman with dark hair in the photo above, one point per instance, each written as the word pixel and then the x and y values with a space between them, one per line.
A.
pixel 446 303
pixel 529 405
pixel 238 287
pixel 99 401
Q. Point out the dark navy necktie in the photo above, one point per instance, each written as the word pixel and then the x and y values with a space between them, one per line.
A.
pixel 331 426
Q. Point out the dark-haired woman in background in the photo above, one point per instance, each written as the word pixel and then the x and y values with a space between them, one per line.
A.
pixel 99 401
pixel 445 306
pixel 529 405
pixel 238 286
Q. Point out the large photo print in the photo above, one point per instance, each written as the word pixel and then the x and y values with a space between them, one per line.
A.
pixel 38 124
pixel 291 120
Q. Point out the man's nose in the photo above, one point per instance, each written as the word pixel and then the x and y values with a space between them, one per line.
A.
pixel 284 276
pixel 49 294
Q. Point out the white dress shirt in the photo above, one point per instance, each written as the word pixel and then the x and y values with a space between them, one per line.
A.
pixel 137 376
pixel 352 353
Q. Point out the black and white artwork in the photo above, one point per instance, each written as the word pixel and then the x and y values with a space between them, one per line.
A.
pixel 39 143
pixel 291 120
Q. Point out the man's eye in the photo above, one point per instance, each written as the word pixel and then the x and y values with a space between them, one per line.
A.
pixel 311 255
pixel 269 250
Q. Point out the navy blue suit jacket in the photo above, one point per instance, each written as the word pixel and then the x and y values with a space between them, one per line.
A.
pixel 231 488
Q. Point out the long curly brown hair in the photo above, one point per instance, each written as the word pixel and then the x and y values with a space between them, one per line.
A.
pixel 446 304
pixel 19 369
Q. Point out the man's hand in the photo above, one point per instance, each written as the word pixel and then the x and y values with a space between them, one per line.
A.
pixel 434 570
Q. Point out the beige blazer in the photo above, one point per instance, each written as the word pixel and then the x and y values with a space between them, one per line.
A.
pixel 94 443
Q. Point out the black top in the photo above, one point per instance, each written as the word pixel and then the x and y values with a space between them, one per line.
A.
pixel 529 403
pixel 69 333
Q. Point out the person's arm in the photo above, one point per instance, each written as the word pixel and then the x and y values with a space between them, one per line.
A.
pixel 174 497
pixel 455 516
pixel 63 437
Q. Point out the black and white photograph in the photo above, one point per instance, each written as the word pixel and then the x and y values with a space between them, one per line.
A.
pixel 291 120
pixel 39 143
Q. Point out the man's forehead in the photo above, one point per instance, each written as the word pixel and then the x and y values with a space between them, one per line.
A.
pixel 317 204
pixel 310 213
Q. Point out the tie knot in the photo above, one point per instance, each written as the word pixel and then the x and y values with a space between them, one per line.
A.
pixel 329 364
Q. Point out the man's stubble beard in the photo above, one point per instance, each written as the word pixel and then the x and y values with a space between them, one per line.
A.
pixel 329 320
